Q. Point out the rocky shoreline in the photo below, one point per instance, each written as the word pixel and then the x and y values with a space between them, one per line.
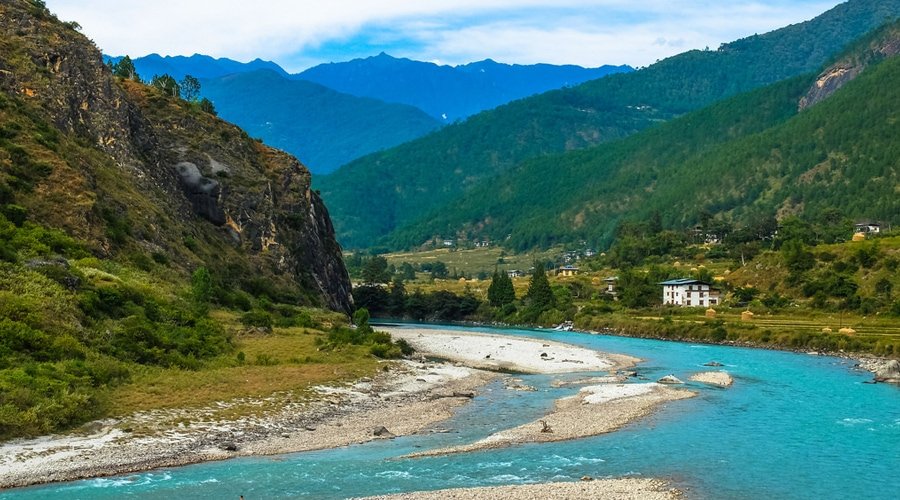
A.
pixel 864 362
pixel 405 400
pixel 600 489
pixel 593 411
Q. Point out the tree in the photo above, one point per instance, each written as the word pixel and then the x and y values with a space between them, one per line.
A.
pixel 540 296
pixel 166 84
pixel 397 299
pixel 796 256
pixel 125 69
pixel 439 270
pixel 201 288
pixel 501 291
pixel 408 271
pixel 190 88
pixel 207 106
pixel 375 270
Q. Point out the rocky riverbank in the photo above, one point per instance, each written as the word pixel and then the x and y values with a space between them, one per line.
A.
pixel 405 400
pixel 595 410
pixel 601 489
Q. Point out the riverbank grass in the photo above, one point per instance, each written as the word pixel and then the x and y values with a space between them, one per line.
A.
pixel 285 360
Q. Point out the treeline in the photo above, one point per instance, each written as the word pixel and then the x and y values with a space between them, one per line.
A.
pixel 372 269
pixel 188 88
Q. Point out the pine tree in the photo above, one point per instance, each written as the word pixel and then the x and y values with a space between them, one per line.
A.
pixel 539 296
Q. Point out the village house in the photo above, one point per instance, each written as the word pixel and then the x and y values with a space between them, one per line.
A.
pixel 611 283
pixel 515 273
pixel 867 227
pixel 567 271
pixel 686 292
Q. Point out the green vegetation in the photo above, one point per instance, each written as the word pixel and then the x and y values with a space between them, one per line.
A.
pixel 801 294
pixel 419 183
pixel 738 162
pixel 115 293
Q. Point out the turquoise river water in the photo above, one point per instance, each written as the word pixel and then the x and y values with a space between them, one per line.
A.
pixel 792 426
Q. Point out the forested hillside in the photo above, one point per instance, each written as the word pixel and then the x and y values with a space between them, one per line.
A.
pixel 375 195
pixel 751 157
pixel 323 128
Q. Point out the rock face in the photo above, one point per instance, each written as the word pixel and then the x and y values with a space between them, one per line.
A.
pixel 839 74
pixel 189 185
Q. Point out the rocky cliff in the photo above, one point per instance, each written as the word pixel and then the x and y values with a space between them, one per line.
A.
pixel 883 44
pixel 131 171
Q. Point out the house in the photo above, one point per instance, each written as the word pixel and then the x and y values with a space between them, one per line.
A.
pixel 687 292
pixel 448 243
pixel 867 227
pixel 611 284
pixel 569 270
pixel 515 273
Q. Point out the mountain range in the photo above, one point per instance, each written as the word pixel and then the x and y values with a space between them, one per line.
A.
pixel 423 185
pixel 334 113
pixel 449 93
pixel 323 128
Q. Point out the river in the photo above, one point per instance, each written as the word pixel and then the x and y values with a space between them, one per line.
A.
pixel 792 426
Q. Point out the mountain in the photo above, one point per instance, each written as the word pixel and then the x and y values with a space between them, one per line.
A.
pixel 197 65
pixel 445 92
pixel 125 216
pixel 812 146
pixel 415 179
pixel 323 128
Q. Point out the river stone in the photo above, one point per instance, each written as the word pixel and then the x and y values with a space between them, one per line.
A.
pixel 889 372
pixel 670 379
pixel 381 431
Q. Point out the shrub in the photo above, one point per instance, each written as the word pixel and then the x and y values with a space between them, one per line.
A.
pixel 257 318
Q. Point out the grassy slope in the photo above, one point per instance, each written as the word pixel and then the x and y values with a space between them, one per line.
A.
pixel 412 180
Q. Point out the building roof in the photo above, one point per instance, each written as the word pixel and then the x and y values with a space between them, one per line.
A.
pixel 569 268
pixel 684 281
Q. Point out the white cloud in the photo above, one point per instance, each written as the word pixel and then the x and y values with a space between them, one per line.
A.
pixel 586 32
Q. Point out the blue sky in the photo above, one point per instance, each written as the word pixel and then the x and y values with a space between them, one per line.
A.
pixel 299 33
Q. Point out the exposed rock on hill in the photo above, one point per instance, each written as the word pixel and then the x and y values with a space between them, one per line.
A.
pixel 168 177
pixel 840 73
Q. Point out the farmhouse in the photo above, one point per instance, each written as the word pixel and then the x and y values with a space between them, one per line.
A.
pixel 867 227
pixel 611 284
pixel 688 292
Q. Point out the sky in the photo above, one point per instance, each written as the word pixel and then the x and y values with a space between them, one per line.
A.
pixel 298 34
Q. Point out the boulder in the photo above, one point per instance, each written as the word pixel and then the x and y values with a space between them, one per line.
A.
pixel 670 379
pixel 228 446
pixel 381 431
pixel 888 372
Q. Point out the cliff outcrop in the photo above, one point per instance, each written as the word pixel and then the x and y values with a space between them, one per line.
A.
pixel 129 170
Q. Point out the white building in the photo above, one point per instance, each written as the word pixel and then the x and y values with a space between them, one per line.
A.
pixel 688 292
pixel 867 227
